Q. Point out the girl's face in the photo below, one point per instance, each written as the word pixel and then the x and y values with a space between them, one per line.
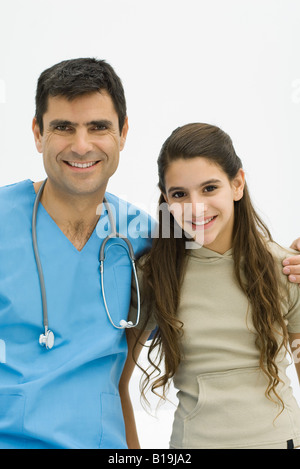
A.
pixel 201 198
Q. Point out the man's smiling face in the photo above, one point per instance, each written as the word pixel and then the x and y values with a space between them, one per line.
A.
pixel 81 142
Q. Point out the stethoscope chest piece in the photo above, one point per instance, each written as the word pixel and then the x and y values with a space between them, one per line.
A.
pixel 47 340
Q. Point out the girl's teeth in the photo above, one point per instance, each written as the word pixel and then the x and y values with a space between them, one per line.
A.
pixel 200 223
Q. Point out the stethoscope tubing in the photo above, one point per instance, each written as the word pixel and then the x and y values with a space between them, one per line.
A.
pixel 37 256
pixel 47 339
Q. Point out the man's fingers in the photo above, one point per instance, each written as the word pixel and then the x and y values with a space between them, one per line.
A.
pixel 294 279
pixel 291 268
pixel 296 245
pixel 292 261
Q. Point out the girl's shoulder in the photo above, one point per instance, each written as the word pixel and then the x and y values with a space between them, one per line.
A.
pixel 279 252
pixel 290 292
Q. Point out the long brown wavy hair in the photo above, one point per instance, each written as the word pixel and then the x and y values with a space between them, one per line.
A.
pixel 163 268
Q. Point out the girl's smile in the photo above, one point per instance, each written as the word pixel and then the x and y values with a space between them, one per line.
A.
pixel 201 198
pixel 203 224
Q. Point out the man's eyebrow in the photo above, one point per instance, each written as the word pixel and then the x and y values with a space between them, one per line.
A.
pixel 100 123
pixel 61 122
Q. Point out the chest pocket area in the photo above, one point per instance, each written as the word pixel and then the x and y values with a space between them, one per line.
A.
pixel 122 275
pixel 11 414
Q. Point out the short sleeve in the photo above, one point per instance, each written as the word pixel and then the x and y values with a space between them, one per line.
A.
pixel 146 316
pixel 290 292
pixel 293 315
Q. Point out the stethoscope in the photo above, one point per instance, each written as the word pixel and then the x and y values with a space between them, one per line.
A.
pixel 47 339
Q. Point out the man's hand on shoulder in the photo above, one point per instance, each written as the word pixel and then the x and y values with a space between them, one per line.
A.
pixel 291 265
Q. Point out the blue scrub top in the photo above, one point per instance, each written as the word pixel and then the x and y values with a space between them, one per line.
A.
pixel 66 397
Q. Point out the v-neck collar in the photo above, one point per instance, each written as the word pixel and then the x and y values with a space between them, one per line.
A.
pixel 62 234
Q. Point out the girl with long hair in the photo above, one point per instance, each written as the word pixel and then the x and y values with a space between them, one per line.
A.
pixel 225 316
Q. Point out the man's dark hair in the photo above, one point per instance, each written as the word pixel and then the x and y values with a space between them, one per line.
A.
pixel 76 77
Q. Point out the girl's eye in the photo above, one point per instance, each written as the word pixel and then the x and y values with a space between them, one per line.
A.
pixel 178 195
pixel 210 188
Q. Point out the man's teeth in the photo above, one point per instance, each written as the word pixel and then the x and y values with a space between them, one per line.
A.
pixel 204 222
pixel 82 165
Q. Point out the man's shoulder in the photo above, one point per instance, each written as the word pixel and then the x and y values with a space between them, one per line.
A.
pixel 16 188
pixel 15 195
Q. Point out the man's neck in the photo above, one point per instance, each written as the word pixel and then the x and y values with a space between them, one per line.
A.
pixel 75 215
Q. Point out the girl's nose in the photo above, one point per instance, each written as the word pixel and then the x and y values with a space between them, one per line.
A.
pixel 198 207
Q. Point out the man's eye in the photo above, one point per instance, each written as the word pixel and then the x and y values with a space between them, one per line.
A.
pixel 63 128
pixel 99 128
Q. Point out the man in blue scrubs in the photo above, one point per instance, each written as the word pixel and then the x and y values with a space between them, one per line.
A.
pixel 67 397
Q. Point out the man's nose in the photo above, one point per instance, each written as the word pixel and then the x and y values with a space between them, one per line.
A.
pixel 81 143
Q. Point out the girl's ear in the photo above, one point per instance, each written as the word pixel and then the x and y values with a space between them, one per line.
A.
pixel 165 197
pixel 238 185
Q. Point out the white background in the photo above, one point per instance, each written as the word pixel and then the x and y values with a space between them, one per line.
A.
pixel 233 63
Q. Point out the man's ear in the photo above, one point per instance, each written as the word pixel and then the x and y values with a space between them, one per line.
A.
pixel 124 134
pixel 37 135
pixel 238 185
